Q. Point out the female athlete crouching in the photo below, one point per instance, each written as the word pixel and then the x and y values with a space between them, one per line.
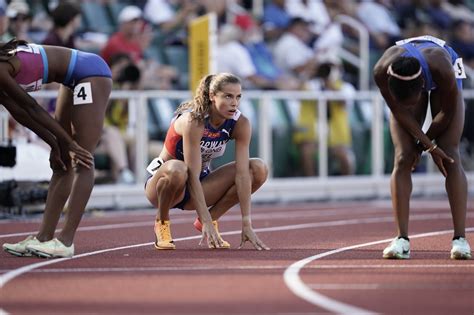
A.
pixel 181 177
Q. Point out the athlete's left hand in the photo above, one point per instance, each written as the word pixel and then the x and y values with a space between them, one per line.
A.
pixel 249 235
pixel 80 155
pixel 439 157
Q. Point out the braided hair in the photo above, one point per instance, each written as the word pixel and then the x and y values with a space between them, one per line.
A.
pixel 8 50
pixel 200 105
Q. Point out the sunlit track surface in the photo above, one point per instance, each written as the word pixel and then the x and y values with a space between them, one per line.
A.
pixel 117 270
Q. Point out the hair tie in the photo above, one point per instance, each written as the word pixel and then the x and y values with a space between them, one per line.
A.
pixel 403 77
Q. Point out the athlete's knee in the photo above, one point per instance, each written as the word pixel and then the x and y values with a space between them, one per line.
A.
pixel 177 172
pixel 79 168
pixel 259 170
pixel 453 152
pixel 404 160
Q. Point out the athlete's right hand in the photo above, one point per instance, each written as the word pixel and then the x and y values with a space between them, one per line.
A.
pixel 55 161
pixel 416 160
pixel 439 157
pixel 80 155
pixel 209 233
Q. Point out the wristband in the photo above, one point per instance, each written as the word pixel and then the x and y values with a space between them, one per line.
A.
pixel 432 148
pixel 420 145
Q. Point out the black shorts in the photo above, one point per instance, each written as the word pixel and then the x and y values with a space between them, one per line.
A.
pixel 187 194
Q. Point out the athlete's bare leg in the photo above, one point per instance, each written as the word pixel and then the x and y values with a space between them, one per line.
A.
pixel 61 181
pixel 456 183
pixel 166 187
pixel 87 123
pixel 404 157
pixel 220 190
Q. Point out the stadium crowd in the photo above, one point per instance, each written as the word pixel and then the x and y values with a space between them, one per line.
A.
pixel 280 45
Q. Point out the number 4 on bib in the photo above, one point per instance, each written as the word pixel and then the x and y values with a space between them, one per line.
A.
pixel 83 94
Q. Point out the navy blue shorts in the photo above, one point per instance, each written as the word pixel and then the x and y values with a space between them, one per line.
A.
pixel 187 194
pixel 83 65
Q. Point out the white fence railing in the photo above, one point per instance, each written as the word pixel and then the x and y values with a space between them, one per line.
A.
pixel 374 185
pixel 360 61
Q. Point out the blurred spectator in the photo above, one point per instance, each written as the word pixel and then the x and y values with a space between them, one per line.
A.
pixel 241 51
pixel 275 20
pixel 327 35
pixel 380 22
pixel 312 11
pixel 66 21
pixel 303 65
pixel 265 66
pixel 327 78
pixel 232 57
pixel 330 78
pixel 462 41
pixel 172 17
pixel 426 13
pixel 296 38
pixel 18 12
pixel 458 10
pixel 132 38
pixel 425 28
pixel 438 15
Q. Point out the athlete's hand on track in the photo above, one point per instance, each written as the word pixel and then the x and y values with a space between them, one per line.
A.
pixel 80 155
pixel 439 157
pixel 249 235
pixel 210 235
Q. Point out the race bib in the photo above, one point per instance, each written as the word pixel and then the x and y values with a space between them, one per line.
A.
pixel 154 165
pixel 83 94
pixel 459 70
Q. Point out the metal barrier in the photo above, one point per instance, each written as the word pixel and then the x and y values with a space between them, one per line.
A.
pixel 3 126
pixel 375 185
pixel 361 62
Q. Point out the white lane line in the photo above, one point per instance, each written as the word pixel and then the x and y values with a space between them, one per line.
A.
pixel 17 272
pixel 241 267
pixel 299 288
pixel 157 269
pixel 433 266
pixel 229 218
pixel 89 228
pixel 377 286
pixel 345 286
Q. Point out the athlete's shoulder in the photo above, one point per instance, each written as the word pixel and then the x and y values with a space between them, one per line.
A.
pixel 185 122
pixel 237 115
pixel 390 54
pixel 242 122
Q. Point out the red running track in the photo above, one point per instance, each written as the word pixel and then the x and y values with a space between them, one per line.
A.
pixel 325 258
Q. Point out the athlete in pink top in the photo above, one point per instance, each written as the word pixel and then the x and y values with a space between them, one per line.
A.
pixel 180 176
pixel 80 108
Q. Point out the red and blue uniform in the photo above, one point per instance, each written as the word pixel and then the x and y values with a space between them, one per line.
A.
pixel 213 141
pixel 213 144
